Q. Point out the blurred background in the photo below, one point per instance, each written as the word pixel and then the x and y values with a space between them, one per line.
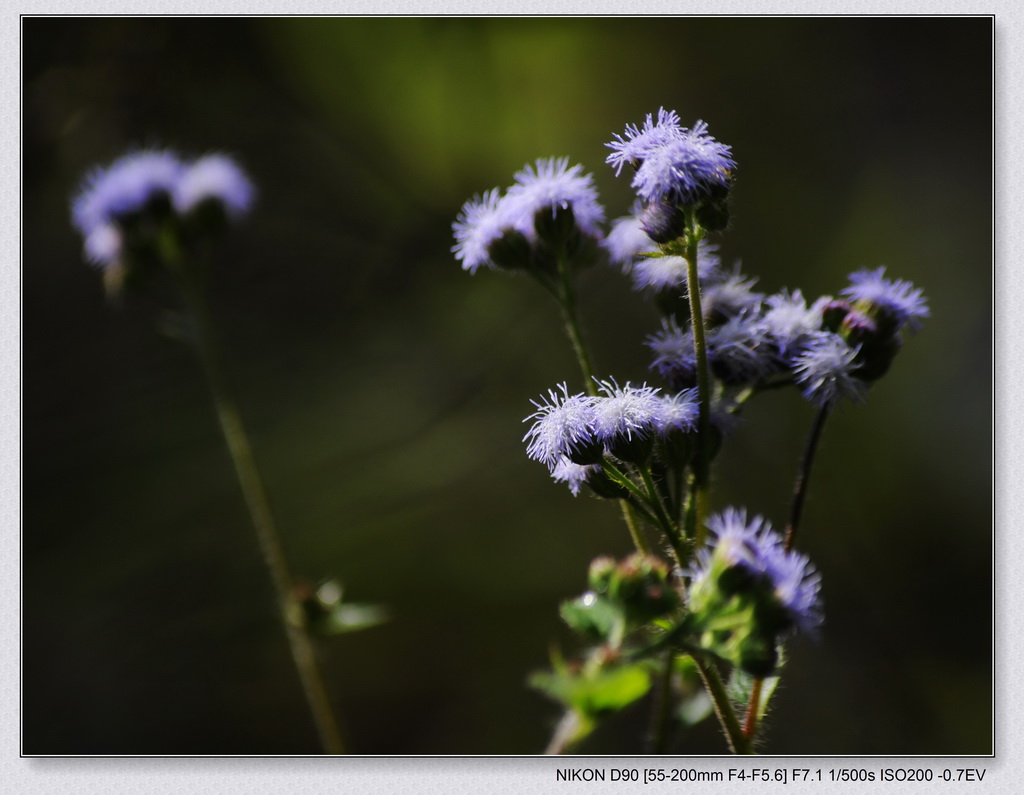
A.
pixel 384 388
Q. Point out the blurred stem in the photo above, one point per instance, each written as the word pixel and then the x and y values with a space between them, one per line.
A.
pixel 738 742
pixel 567 301
pixel 662 734
pixel 571 729
pixel 262 518
pixel 803 476
pixel 697 512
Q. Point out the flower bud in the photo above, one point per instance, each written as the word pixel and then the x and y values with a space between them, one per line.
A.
pixel 663 221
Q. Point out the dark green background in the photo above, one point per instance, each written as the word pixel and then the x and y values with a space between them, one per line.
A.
pixel 384 387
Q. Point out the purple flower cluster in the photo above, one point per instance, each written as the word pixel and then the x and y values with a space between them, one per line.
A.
pixel 751 338
pixel 672 163
pixel 548 186
pixel 753 547
pixel 139 183
pixel 572 432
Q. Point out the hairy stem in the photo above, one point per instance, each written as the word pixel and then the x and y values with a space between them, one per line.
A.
pixel 698 510
pixel 753 708
pixel 738 742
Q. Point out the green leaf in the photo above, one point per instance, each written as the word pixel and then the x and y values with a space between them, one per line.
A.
pixel 611 691
pixel 596 693
pixel 591 615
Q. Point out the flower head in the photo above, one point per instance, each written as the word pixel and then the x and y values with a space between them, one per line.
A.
pixel 738 350
pixel 481 221
pixel 564 427
pixel 675 358
pixel 826 370
pixel 125 187
pixel 899 299
pixel 574 475
pixel 551 185
pixel 730 294
pixel 754 558
pixel 640 143
pixel 676 412
pixel 150 183
pixel 217 178
pixel 627 240
pixel 625 411
pixel 685 169
pixel 669 272
pixel 790 322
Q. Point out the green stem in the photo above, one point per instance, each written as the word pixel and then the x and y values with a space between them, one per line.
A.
pixel 738 742
pixel 266 529
pixel 804 476
pixel 567 301
pixel 668 526
pixel 662 734
pixel 634 530
pixel 698 512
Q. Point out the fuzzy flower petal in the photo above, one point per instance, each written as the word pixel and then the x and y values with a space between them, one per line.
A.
pixel 551 184
pixel 738 350
pixel 685 169
pixel 669 272
pixel 123 188
pixel 215 177
pixel 627 240
pixel 677 412
pixel 481 221
pixel 753 545
pixel 563 425
pixel 824 370
pixel 905 302
pixel 573 475
pixel 674 356
pixel 790 322
pixel 625 412
pixel 639 143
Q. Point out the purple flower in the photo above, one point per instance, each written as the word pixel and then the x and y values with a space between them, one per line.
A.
pixel 900 299
pixel 574 475
pixel 627 240
pixel 481 221
pixel 639 143
pixel 738 350
pixel 669 272
pixel 676 412
pixel 789 321
pixel 551 185
pixel 124 187
pixel 729 295
pixel 825 371
pixel 564 427
pixel 213 177
pixel 626 411
pixel 131 186
pixel 674 356
pixel 686 169
pixel 754 547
